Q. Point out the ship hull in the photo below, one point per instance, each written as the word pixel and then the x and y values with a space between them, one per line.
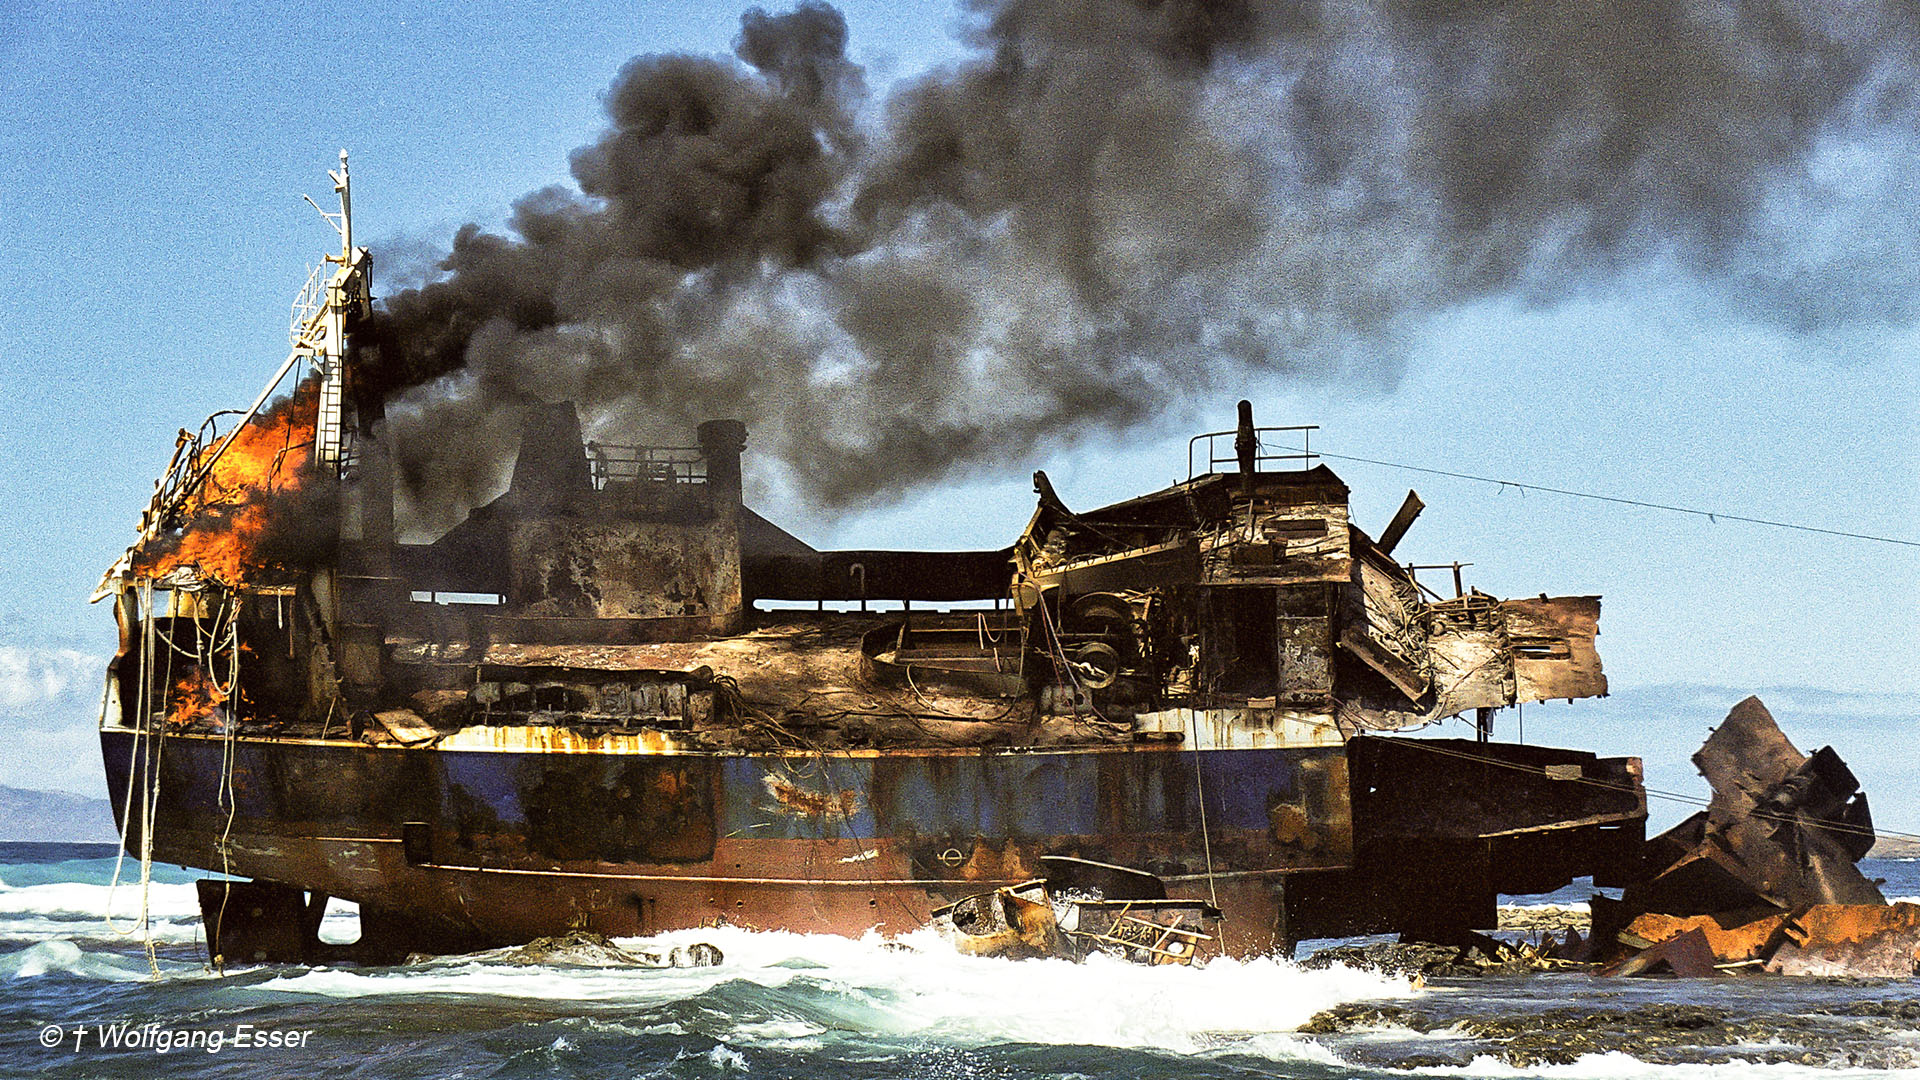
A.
pixel 458 849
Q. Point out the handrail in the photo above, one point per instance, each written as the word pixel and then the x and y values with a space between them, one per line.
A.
pixel 610 462
pixel 1306 451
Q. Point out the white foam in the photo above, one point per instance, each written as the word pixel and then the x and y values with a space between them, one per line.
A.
pixel 87 928
pixel 78 911
pixel 672 1068
pixel 926 992
pixel 72 898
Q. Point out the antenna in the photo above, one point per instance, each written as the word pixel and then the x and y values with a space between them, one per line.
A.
pixel 344 188
pixel 341 222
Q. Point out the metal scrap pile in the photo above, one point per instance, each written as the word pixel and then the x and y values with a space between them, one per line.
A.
pixel 1080 908
pixel 1764 878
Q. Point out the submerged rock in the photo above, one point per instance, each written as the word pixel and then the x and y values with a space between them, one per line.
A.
pixel 1395 958
pixel 587 949
pixel 1422 960
pixel 1854 1035
pixel 1546 918
pixel 1362 1015
pixel 573 947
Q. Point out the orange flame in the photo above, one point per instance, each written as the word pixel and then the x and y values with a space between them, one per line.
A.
pixel 229 512
pixel 195 697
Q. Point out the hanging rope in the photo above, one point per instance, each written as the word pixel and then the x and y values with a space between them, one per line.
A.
pixel 134 763
pixel 1200 789
pixel 143 765
pixel 226 793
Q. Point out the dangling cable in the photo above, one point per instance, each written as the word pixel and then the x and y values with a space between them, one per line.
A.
pixel 134 761
pixel 226 792
pixel 156 746
pixel 1200 789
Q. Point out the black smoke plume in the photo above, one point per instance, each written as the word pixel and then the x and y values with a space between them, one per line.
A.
pixel 1115 205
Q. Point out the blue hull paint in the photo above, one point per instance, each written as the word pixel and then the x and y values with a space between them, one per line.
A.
pixel 506 844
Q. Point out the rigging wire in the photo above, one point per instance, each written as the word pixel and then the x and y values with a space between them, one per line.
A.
pixel 1711 515
pixel 1200 791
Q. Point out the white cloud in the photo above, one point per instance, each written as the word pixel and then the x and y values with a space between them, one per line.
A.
pixel 34 676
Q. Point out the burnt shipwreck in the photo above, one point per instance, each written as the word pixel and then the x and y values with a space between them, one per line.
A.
pixel 617 699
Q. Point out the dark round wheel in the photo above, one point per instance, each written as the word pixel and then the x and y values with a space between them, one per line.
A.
pixel 1106 617
pixel 1096 664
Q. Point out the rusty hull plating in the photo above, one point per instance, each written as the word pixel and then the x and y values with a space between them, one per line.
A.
pixel 615 699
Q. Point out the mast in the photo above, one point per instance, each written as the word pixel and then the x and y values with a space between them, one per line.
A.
pixel 322 335
pixel 322 313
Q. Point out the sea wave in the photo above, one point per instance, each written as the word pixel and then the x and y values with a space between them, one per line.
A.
pixel 72 898
pixel 93 929
pixel 68 958
pixel 791 991
pixel 101 912
pixel 1577 907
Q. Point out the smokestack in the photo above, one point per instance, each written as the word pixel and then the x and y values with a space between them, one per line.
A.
pixel 1246 447
pixel 721 443
pixel 551 474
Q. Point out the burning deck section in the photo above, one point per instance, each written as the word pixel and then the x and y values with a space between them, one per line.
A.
pixel 601 698
pixel 1177 683
pixel 244 512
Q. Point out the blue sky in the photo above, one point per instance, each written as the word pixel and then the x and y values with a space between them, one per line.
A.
pixel 152 161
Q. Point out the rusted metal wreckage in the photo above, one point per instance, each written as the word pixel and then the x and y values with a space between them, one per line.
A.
pixel 1764 877
pixel 1078 909
pixel 639 711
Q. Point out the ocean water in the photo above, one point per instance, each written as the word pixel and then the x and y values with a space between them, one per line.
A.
pixel 788 1005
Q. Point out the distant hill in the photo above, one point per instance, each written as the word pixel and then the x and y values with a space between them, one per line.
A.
pixel 55 817
pixel 1893 847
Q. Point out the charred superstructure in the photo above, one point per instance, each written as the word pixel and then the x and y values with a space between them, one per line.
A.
pixel 617 698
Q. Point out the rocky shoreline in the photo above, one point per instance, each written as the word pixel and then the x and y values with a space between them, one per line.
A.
pixel 1538 919
pixel 1855 1034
